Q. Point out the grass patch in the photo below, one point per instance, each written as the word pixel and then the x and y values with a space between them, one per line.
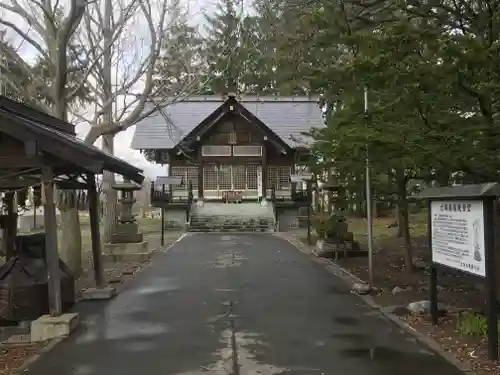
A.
pixel 473 325
pixel 382 229
pixel 418 224
pixel 359 227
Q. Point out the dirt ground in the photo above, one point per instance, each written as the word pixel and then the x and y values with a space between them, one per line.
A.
pixel 13 356
pixel 456 290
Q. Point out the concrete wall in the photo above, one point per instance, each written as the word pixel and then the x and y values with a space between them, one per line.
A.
pixel 287 219
pixel 175 217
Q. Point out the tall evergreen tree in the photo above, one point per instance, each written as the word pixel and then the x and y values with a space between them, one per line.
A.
pixel 180 66
pixel 270 70
pixel 226 50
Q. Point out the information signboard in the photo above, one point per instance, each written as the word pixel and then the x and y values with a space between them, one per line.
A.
pixel 458 235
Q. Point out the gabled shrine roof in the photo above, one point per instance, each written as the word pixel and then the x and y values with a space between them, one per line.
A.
pixel 287 117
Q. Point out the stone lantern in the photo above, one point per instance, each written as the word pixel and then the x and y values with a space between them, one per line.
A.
pixel 126 240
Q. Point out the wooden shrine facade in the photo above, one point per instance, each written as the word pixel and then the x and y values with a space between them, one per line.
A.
pixel 231 152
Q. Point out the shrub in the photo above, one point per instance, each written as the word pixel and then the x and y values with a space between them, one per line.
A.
pixel 474 325
pixel 330 226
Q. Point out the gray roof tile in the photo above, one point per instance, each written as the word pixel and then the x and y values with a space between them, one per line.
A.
pixel 286 116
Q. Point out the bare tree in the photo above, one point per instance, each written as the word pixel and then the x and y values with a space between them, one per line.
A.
pixel 46 29
pixel 117 71
pixel 124 40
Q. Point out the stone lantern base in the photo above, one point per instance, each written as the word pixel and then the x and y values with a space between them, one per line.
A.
pixel 125 233
pixel 127 251
pixel 126 242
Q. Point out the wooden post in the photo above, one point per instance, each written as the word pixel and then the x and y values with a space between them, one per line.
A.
pixel 309 203
pixel 34 216
pixel 10 226
pixel 264 171
pixel 163 203
pixel 433 280
pixel 170 189
pixel 51 249
pixel 199 163
pixel 293 186
pixel 190 200
pixel 490 279
pixel 95 233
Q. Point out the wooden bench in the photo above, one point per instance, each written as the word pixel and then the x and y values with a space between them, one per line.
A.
pixel 232 196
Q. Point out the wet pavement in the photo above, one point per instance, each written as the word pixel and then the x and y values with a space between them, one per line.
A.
pixel 236 304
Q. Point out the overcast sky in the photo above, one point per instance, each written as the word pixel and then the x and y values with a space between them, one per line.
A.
pixel 124 139
pixel 197 9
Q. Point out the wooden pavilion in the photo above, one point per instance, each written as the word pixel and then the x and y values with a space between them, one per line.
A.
pixel 38 149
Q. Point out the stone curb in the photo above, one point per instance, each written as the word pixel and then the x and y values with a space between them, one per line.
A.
pixel 168 247
pixel 350 279
pixel 52 343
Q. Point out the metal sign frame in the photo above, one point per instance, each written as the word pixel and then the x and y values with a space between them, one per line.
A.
pixel 169 180
pixel 487 193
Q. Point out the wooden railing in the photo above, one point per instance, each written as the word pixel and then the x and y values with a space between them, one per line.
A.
pixel 190 201
pixel 300 196
pixel 164 196
pixel 273 202
pixel 297 196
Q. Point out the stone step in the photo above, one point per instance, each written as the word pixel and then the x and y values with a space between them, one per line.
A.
pixel 262 223
pixel 239 219
pixel 227 229
pixel 216 217
pixel 227 224
pixel 232 225
pixel 243 209
pixel 233 218
pixel 225 219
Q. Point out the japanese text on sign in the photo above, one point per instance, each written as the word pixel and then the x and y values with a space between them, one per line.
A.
pixel 458 235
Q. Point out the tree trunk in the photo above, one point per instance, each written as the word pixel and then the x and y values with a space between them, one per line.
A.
pixel 442 176
pixel 108 179
pixel 399 213
pixel 70 249
pixel 319 198
pixel 348 195
pixel 329 196
pixel 110 196
pixel 401 182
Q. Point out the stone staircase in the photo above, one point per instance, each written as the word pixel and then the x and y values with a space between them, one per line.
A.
pixel 226 217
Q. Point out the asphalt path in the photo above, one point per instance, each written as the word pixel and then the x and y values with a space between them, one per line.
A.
pixel 236 304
